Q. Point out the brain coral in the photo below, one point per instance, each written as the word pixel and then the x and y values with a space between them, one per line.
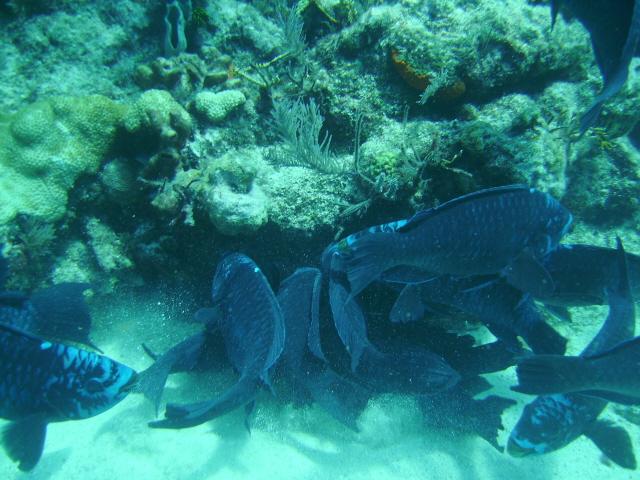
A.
pixel 46 146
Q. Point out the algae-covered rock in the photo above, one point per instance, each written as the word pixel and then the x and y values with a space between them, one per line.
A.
pixel 157 121
pixel 76 264
pixel 510 140
pixel 46 146
pixel 107 247
pixel 305 201
pixel 215 107
pixel 604 181
pixel 451 51
pixel 234 201
pixel 236 212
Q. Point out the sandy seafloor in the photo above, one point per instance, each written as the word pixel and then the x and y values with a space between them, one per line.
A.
pixel 285 442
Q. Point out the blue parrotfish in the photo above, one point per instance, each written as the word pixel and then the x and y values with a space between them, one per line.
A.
pixel 43 382
pixel 613 374
pixel 303 363
pixel 581 274
pixel 57 312
pixel 506 311
pixel 551 422
pixel 249 318
pixel 503 231
pixel 614 27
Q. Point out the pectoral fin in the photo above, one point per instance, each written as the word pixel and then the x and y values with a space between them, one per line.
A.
pixel 23 441
pixel 613 441
pixel 528 275
pixel 409 306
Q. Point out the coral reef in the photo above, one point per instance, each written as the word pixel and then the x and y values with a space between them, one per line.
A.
pixel 302 118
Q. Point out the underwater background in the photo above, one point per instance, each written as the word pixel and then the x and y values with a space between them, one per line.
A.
pixel 140 141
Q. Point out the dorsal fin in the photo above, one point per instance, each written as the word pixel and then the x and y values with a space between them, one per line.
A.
pixel 19 332
pixel 423 215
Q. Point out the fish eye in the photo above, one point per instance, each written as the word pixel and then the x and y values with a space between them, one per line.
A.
pixel 94 386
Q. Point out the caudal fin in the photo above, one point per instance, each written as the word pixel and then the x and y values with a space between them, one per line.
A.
pixel 549 374
pixel 181 357
pixel 489 412
pixel 192 414
pixel 151 381
pixel 544 339
pixel 23 441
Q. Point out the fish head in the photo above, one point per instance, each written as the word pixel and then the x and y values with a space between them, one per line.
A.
pixel 546 424
pixel 90 385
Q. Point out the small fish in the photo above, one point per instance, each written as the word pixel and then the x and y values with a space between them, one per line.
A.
pixel 43 382
pixel 504 310
pixel 504 230
pixel 614 27
pixel 613 374
pixel 248 315
pixel 553 421
pixel 299 300
pixel 303 363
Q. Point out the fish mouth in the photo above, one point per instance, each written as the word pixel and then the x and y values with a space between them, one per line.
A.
pixel 516 450
pixel 131 384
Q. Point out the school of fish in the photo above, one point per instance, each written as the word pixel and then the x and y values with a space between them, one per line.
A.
pixel 494 257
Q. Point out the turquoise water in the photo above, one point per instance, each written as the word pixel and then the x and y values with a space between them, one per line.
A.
pixel 140 141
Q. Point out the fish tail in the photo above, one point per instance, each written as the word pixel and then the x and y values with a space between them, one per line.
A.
pixel 549 374
pixel 490 410
pixel 544 339
pixel 152 380
pixel 366 259
pixel 192 414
